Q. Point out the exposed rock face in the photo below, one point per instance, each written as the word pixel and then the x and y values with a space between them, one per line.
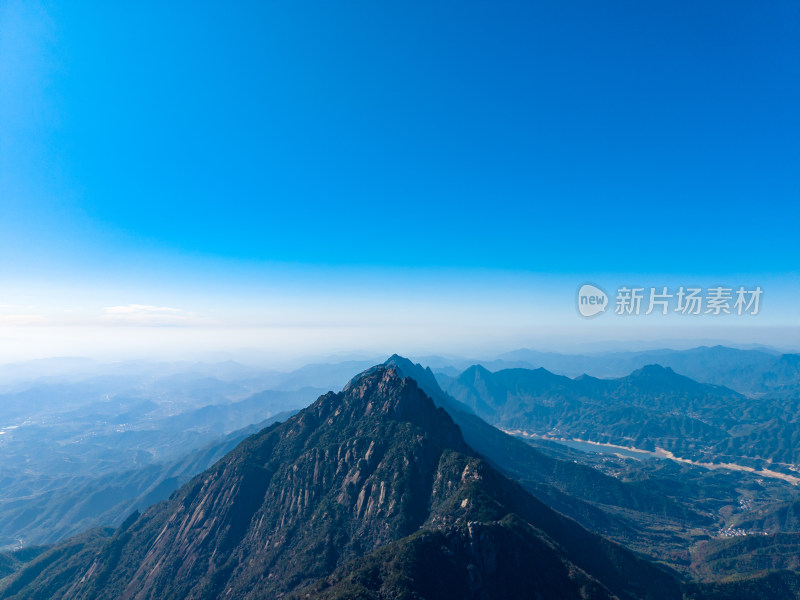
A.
pixel 371 492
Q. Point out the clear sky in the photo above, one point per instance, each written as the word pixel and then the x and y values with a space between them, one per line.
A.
pixel 441 176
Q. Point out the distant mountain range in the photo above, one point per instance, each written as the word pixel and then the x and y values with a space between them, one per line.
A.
pixel 751 372
pixel 369 492
pixel 76 504
pixel 598 501
pixel 653 407
pixel 391 489
pixel 91 462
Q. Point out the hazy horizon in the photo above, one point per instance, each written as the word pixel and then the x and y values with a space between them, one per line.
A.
pixel 261 359
pixel 317 182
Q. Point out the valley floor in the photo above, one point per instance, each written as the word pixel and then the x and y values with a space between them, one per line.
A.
pixel 660 453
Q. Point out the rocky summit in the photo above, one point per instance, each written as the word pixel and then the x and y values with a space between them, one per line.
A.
pixel 368 493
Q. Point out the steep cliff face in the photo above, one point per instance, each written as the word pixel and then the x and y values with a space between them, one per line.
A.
pixel 371 492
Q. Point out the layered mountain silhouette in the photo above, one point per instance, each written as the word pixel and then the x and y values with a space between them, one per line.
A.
pixel 755 372
pixel 512 395
pixel 574 489
pixel 653 407
pixel 368 493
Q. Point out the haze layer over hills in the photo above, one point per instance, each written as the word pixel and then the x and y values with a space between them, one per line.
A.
pixel 312 487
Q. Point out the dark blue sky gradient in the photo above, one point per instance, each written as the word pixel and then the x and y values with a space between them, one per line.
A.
pixel 554 137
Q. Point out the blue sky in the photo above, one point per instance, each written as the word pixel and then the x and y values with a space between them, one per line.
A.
pixel 241 163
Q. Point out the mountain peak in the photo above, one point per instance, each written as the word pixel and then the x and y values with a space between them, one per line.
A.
pixel 655 376
pixel 653 371
pixel 407 368
pixel 386 391
pixel 398 393
pixel 474 371
pixel 379 375
pixel 426 380
pixel 358 479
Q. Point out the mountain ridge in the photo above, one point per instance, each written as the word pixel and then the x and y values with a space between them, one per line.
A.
pixel 355 471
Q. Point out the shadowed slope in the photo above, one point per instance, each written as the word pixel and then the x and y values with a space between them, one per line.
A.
pixel 375 479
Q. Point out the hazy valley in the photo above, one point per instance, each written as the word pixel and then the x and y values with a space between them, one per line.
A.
pixel 137 450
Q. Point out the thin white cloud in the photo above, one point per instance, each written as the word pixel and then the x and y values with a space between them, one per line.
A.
pixel 135 309
pixel 17 314
pixel 147 314
pixel 21 320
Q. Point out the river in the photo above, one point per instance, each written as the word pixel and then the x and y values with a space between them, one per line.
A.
pixel 659 454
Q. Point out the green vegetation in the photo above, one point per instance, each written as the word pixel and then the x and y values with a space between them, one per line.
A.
pixel 355 471
pixel 376 492
pixel 653 407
